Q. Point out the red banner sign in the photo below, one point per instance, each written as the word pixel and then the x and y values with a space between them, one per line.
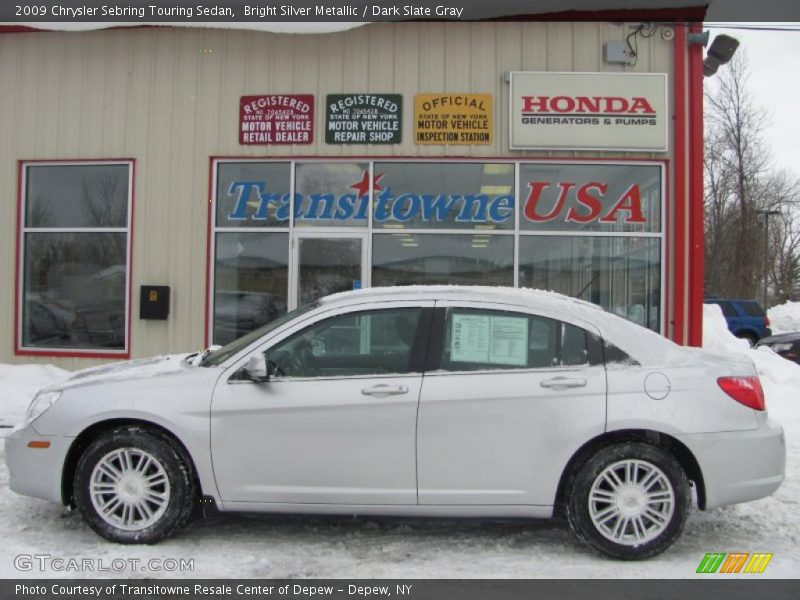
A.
pixel 276 119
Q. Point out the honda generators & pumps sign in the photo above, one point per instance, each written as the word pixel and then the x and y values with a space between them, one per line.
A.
pixel 588 111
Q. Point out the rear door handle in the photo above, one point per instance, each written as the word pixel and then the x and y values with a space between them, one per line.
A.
pixel 563 383
pixel 383 389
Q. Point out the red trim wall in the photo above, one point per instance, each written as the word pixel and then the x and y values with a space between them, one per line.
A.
pixel 696 192
pixel 18 351
pixel 679 193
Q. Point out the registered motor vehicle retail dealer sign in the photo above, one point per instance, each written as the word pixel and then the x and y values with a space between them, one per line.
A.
pixel 460 119
pixel 588 111
pixel 363 118
pixel 276 119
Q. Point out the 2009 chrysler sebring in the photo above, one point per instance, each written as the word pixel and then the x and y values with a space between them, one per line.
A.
pixel 453 401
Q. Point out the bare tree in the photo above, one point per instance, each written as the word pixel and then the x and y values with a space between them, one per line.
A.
pixel 739 180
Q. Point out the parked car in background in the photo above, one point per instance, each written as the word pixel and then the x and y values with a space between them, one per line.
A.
pixel 412 401
pixel 785 344
pixel 746 319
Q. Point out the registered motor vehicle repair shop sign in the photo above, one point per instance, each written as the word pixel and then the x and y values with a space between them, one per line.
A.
pixel 363 118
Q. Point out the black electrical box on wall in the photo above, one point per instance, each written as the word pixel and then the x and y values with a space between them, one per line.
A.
pixel 154 302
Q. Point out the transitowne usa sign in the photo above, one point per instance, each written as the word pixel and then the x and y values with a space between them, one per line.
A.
pixel 588 111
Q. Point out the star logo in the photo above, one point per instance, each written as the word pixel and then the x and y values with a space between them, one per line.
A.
pixel 362 187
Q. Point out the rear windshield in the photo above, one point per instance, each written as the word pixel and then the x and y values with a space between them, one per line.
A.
pixel 752 309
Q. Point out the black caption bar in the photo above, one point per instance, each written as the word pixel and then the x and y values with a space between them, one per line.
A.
pixel 32 12
pixel 416 589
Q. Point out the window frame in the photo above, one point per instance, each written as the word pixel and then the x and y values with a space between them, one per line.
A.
pixel 19 265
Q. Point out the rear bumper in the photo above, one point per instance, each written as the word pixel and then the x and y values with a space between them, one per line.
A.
pixel 36 471
pixel 739 466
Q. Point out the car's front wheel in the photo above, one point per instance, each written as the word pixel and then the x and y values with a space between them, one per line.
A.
pixel 629 501
pixel 134 486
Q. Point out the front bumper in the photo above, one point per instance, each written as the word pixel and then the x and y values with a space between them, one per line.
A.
pixel 36 472
pixel 739 466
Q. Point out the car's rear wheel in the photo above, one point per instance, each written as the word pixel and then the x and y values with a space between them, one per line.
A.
pixel 629 501
pixel 134 486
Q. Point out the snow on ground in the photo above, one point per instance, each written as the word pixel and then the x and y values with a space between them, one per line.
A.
pixel 283 546
pixel 784 318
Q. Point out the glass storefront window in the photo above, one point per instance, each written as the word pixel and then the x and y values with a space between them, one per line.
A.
pixel 331 194
pixel 452 195
pixel 74 264
pixel 251 282
pixel 621 274
pixel 593 230
pixel 457 259
pixel 590 197
pixel 68 196
pixel 253 194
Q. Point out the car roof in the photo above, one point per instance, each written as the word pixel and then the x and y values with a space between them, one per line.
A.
pixel 782 337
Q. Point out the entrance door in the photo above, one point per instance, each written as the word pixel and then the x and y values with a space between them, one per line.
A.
pixel 327 263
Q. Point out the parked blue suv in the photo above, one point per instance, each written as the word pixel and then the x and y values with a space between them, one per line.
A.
pixel 746 319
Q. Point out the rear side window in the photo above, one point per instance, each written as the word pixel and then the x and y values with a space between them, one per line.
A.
pixel 727 309
pixel 476 340
pixel 752 309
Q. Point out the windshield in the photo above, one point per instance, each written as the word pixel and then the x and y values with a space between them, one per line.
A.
pixel 217 357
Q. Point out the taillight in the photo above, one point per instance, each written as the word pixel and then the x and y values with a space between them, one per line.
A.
pixel 745 390
pixel 766 321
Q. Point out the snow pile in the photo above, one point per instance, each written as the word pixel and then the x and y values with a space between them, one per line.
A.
pixel 784 318
pixel 716 335
pixel 18 385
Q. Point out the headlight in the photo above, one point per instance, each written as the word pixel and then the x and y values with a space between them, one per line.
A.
pixel 40 403
pixel 782 347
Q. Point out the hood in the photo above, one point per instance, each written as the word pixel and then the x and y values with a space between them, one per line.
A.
pixel 131 369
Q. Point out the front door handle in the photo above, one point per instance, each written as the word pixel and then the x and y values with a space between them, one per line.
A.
pixel 563 383
pixel 383 389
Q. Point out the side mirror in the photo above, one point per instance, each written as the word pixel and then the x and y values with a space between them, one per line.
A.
pixel 256 368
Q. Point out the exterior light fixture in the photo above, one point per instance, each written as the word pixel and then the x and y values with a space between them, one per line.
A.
pixel 721 51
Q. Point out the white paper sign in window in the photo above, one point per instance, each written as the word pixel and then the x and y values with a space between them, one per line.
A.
pixel 489 339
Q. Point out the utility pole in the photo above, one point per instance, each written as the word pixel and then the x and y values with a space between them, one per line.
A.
pixel 766 214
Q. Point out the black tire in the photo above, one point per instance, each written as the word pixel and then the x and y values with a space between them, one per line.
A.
pixel 655 537
pixel 751 338
pixel 168 463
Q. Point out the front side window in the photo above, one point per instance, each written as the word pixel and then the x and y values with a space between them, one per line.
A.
pixel 477 340
pixel 365 343
pixel 74 245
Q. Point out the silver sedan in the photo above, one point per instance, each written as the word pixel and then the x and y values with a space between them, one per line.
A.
pixel 434 401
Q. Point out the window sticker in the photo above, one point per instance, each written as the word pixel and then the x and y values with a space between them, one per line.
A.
pixel 491 340
pixel 509 336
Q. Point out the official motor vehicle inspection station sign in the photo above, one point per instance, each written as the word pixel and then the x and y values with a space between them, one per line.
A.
pixel 276 119
pixel 459 119
pixel 588 111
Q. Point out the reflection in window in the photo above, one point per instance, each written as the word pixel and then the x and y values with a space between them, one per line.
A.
pixel 331 194
pixel 252 194
pixel 371 343
pixel 250 282
pixel 593 197
pixel 457 259
pixel 621 274
pixel 444 195
pixel 75 288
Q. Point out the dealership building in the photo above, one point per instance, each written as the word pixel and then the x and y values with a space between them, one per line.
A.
pixel 168 188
